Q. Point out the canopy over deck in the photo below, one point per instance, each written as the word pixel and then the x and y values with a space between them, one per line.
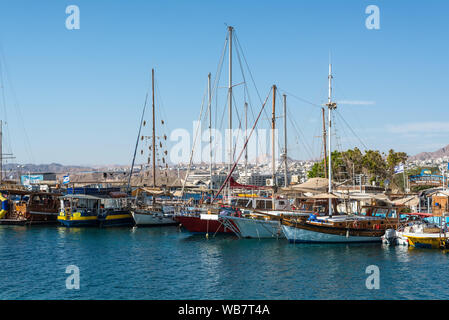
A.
pixel 313 185
pixel 150 191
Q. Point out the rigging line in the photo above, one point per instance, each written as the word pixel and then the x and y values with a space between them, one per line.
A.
pixel 247 66
pixel 137 142
pixel 17 106
pixel 239 127
pixel 246 63
pixel 308 102
pixel 299 131
pixel 280 144
pixel 241 152
pixel 161 110
pixel 339 144
pixel 300 99
pixel 301 136
pixel 2 84
pixel 258 146
pixel 246 90
pixel 194 143
pixel 218 76
pixel 220 128
pixel 349 173
pixel 162 128
pixel 338 113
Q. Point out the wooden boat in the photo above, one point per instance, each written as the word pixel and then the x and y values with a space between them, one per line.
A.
pixel 29 207
pixel 332 226
pixel 336 229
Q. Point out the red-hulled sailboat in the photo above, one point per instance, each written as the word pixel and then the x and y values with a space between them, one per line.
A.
pixel 207 218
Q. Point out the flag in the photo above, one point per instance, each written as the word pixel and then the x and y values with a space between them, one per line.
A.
pixel 399 168
pixel 65 180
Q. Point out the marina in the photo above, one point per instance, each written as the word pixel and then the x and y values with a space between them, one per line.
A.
pixel 137 264
pixel 216 161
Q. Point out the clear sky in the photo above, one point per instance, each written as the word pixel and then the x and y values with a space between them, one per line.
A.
pixel 78 94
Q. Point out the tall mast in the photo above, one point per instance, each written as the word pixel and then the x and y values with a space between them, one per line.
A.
pixel 330 105
pixel 285 142
pixel 230 29
pixel 246 134
pixel 1 151
pixel 324 142
pixel 210 127
pixel 231 153
pixel 154 132
pixel 273 144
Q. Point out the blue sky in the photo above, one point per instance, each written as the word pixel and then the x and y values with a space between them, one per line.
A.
pixel 78 94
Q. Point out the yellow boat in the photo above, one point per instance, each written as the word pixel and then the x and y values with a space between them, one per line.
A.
pixel 433 241
pixel 425 236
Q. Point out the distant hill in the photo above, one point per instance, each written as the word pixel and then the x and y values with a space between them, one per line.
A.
pixel 52 167
pixel 443 152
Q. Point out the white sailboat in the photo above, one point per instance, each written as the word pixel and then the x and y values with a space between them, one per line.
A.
pixel 151 214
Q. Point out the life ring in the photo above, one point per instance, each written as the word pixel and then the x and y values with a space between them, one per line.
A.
pixel 4 208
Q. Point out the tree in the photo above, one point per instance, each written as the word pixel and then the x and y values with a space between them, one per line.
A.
pixel 372 163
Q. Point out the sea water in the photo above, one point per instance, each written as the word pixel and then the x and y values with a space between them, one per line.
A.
pixel 165 263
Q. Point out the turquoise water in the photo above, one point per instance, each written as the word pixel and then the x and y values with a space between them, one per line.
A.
pixel 163 263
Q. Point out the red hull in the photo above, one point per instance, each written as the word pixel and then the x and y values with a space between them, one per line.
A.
pixel 197 225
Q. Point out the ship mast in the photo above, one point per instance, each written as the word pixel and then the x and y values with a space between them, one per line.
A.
pixel 285 143
pixel 273 155
pixel 1 151
pixel 246 133
pixel 230 30
pixel 209 105
pixel 324 142
pixel 331 106
pixel 154 132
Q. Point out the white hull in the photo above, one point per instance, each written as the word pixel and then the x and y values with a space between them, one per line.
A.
pixel 394 238
pixel 252 228
pixel 148 218
pixel 301 235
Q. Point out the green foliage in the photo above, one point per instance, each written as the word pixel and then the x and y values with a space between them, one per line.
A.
pixel 376 166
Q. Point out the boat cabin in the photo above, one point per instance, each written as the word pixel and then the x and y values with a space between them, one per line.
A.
pixel 32 206
pixel 261 203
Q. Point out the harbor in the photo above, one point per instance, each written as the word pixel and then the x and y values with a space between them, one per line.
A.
pixel 163 263
pixel 218 167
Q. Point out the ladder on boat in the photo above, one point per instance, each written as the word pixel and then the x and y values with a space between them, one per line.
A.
pixel 229 225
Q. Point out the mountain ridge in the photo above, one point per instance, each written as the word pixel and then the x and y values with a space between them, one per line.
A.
pixel 442 152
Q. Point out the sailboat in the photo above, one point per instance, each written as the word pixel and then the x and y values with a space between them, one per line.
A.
pixel 337 228
pixel 257 222
pixel 207 217
pixel 153 213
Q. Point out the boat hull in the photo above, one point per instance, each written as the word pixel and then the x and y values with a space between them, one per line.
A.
pixel 197 225
pixel 299 235
pixel 430 241
pixel 146 218
pixel 117 219
pixel 258 229
pixel 74 222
